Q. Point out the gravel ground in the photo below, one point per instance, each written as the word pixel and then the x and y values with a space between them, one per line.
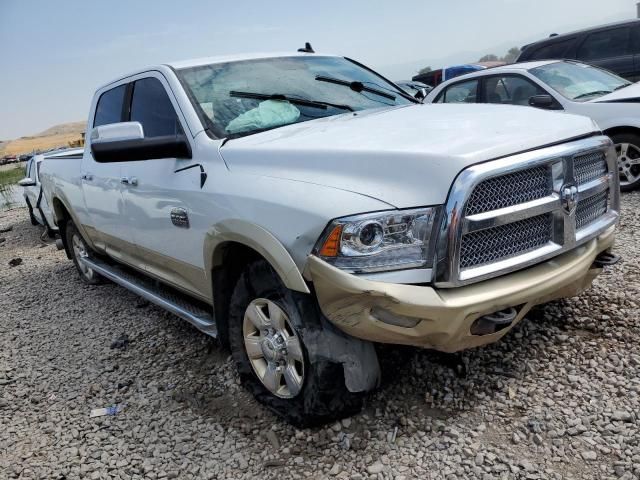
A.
pixel 557 398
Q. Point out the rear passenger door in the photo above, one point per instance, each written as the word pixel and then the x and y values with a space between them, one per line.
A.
pixel 609 49
pixel 101 187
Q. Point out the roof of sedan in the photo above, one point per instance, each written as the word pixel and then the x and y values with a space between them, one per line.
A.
pixel 196 62
pixel 504 68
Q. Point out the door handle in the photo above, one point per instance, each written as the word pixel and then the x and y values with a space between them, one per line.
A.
pixel 133 181
pixel 87 176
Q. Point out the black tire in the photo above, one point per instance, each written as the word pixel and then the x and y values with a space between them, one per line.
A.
pixel 633 140
pixel 32 217
pixel 87 275
pixel 323 396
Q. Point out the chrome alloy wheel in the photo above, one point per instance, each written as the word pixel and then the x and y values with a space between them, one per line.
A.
pixel 273 348
pixel 80 251
pixel 628 163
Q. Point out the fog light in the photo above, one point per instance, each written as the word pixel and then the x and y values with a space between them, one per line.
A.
pixel 393 318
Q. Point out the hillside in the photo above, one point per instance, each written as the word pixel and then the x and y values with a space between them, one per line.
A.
pixel 54 137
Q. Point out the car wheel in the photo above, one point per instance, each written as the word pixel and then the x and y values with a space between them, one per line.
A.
pixel 628 151
pixel 267 328
pixel 79 250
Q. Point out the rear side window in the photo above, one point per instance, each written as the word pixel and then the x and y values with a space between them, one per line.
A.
pixel 555 51
pixel 109 107
pixel 464 92
pixel 151 106
pixel 607 44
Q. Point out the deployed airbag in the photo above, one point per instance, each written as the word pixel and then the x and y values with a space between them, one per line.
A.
pixel 270 113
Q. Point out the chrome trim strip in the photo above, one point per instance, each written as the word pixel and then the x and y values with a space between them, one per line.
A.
pixel 559 158
pixel 503 216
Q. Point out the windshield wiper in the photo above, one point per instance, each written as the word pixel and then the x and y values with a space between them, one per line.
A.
pixel 589 94
pixel 355 86
pixel 286 98
pixel 624 85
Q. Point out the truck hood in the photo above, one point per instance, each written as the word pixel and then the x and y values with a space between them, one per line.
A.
pixel 404 156
pixel 627 94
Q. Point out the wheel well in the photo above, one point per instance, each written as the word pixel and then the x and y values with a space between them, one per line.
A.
pixel 617 130
pixel 230 259
pixel 62 216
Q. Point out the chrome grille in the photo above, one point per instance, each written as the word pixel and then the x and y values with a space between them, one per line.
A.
pixel 589 167
pixel 518 211
pixel 511 189
pixel 497 243
pixel 590 209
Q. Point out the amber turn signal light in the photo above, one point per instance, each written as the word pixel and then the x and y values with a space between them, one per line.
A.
pixel 332 243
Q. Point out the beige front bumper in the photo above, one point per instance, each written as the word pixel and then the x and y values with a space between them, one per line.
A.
pixel 445 315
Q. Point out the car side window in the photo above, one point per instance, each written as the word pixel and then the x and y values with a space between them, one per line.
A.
pixel 553 51
pixel 635 39
pixel 151 106
pixel 463 92
pixel 511 90
pixel 109 106
pixel 606 44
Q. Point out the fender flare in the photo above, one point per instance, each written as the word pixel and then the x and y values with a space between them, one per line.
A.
pixel 260 240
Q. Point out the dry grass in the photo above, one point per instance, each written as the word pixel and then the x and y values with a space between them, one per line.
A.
pixel 29 144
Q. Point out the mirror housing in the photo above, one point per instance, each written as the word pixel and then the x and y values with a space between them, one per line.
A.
pixel 125 142
pixel 421 94
pixel 27 182
pixel 542 101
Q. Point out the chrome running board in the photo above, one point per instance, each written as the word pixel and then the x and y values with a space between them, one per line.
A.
pixel 150 290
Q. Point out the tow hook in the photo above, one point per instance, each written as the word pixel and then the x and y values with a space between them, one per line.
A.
pixel 606 259
pixel 494 322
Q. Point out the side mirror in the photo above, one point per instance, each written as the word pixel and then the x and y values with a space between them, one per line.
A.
pixel 421 94
pixel 542 101
pixel 27 182
pixel 125 142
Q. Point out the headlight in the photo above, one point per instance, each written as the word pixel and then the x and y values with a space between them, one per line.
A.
pixel 379 241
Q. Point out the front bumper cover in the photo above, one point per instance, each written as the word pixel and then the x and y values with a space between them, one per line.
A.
pixel 444 316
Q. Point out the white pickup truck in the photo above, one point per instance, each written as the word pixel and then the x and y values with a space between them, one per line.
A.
pixel 300 207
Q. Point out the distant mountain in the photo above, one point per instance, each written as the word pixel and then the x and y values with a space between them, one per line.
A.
pixel 63 129
pixel 58 136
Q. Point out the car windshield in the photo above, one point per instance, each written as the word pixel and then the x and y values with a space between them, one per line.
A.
pixel 578 81
pixel 244 97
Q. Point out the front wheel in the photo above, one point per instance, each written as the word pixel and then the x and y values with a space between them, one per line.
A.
pixel 270 332
pixel 79 250
pixel 628 152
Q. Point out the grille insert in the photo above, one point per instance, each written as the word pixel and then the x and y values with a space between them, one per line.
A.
pixel 589 167
pixel 510 189
pixel 590 209
pixel 498 243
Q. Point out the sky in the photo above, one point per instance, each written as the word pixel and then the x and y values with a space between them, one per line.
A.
pixel 53 54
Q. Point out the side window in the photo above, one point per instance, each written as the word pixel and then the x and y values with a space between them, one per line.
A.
pixel 150 105
pixel 27 169
pixel 635 39
pixel 511 89
pixel 109 107
pixel 607 44
pixel 464 92
pixel 554 51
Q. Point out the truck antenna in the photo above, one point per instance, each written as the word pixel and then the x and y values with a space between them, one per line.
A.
pixel 307 48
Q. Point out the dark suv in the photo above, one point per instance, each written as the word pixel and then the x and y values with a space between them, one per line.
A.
pixel 615 47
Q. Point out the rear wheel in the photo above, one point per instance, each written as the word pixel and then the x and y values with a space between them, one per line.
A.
pixel 268 328
pixel 628 151
pixel 80 250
